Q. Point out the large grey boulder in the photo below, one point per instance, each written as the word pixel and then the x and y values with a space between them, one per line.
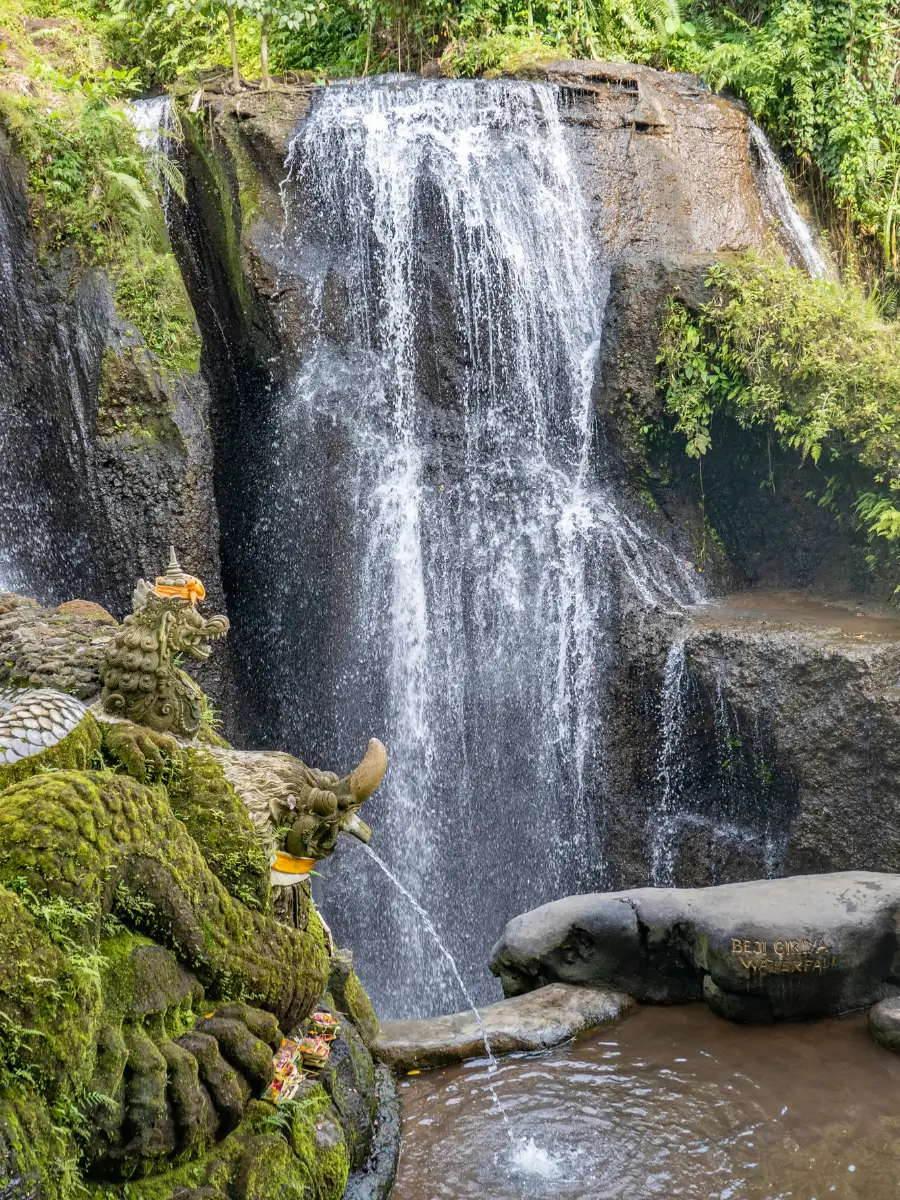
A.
pixel 769 950
pixel 884 1023
pixel 543 1018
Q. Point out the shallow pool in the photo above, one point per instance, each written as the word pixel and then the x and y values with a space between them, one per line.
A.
pixel 671 1102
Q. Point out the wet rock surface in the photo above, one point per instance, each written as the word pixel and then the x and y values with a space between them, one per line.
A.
pixel 767 950
pixel 375 1178
pixel 104 457
pixel 829 698
pixel 349 1079
pixel 884 1023
pixel 536 1021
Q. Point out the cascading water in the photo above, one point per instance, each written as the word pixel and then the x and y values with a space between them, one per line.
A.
pixel 156 127
pixel 722 796
pixel 444 554
pixel 779 205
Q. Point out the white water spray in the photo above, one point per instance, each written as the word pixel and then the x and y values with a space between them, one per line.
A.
pixel 429 925
pixel 670 774
pixel 156 126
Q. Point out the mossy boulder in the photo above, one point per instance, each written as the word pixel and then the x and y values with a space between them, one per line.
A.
pixel 144 978
pixel 349 1078
pixel 294 1154
pixel 141 999
pixel 350 998
pixel 219 823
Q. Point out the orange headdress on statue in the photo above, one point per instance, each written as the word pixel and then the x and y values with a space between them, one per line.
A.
pixel 176 583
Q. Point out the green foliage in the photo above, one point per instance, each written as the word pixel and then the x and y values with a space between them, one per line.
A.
pixel 162 40
pixel 86 173
pixel 821 75
pixel 150 292
pixel 812 362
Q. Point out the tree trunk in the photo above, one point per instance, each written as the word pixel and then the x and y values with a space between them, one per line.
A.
pixel 264 52
pixel 235 71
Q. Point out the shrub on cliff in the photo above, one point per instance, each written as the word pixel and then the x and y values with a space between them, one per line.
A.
pixel 814 363
pixel 61 102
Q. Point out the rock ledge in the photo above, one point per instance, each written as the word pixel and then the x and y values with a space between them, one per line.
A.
pixel 543 1018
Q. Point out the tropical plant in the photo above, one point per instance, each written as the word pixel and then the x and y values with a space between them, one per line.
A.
pixel 291 15
pixel 813 363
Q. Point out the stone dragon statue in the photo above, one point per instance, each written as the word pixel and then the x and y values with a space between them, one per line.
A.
pixel 144 976
pixel 140 679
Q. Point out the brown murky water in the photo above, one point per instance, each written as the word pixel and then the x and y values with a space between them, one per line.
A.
pixel 672 1102
pixel 796 605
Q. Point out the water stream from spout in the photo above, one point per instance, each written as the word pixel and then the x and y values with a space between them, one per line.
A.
pixel 429 925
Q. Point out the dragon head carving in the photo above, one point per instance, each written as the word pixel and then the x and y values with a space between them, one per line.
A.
pixel 141 680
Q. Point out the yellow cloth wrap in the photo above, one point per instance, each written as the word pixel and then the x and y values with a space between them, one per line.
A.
pixel 289 864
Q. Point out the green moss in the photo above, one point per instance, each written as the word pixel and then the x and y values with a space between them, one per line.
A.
pixel 88 182
pixel 65 833
pixel 121 977
pixel 35 1149
pixel 302 1157
pixel 80 751
pixel 359 1008
pixel 134 402
pixel 150 293
pixel 217 820
pixel 228 202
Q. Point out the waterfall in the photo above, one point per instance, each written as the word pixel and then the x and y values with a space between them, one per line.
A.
pixel 779 205
pixel 443 551
pixel 156 127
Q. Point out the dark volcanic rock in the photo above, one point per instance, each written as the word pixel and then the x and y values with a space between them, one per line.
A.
pixel 768 950
pixel 349 1079
pixel 375 1179
pixel 104 457
pixel 536 1021
pixel 831 702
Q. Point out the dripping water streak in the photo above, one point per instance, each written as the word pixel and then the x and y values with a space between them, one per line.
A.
pixel 670 774
pixel 780 205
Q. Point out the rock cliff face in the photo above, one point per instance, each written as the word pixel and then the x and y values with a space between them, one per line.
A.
pixel 104 457
pixel 829 702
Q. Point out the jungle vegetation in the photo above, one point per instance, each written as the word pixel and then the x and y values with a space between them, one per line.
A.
pixel 813 363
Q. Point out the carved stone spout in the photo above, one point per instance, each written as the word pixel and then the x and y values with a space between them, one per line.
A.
pixel 316 806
